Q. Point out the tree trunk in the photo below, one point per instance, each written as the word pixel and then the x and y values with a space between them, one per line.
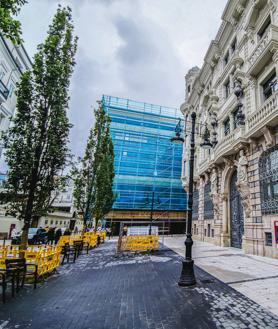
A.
pixel 28 211
pixel 24 240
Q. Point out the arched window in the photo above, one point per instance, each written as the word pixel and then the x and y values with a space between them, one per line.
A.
pixel 268 170
pixel 208 205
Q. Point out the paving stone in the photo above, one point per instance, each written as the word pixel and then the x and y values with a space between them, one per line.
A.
pixel 100 291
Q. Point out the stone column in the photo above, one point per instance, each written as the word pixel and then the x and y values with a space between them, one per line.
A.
pixel 225 236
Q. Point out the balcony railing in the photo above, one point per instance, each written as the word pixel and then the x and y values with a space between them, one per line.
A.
pixel 4 92
pixel 264 114
pixel 269 38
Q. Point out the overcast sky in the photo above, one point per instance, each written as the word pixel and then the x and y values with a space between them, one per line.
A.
pixel 138 49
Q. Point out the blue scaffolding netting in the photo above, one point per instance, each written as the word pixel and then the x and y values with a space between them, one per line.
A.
pixel 147 165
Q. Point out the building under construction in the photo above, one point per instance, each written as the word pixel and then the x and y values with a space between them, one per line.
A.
pixel 147 181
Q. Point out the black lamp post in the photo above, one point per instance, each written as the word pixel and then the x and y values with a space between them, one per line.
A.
pixel 187 277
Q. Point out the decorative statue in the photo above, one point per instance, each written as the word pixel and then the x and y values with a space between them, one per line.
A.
pixel 242 183
pixel 242 168
pixel 213 180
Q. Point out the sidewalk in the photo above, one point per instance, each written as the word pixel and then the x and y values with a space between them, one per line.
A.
pixel 254 276
pixel 100 291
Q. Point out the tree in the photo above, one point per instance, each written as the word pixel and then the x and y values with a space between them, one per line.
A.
pixel 10 27
pixel 36 143
pixel 93 193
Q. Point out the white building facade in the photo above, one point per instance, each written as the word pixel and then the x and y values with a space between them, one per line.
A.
pixel 14 60
pixel 236 181
pixel 64 214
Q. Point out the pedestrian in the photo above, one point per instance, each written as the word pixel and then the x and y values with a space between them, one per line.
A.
pixel 13 233
pixel 51 235
pixel 58 233
pixel 108 232
pixel 125 230
pixel 67 232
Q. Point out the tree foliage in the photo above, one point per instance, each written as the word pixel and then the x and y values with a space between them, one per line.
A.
pixel 9 26
pixel 93 193
pixel 36 143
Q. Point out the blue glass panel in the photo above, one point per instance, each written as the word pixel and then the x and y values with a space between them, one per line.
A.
pixel 145 159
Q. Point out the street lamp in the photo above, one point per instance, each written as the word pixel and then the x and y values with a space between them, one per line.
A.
pixel 206 143
pixel 187 277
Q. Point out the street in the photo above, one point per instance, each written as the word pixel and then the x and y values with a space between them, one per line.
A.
pixel 100 291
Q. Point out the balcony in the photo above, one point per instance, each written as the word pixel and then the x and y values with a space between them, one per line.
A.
pixel 4 92
pixel 262 53
pixel 230 144
pixel 266 115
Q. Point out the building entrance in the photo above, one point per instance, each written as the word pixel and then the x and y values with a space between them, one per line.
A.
pixel 236 214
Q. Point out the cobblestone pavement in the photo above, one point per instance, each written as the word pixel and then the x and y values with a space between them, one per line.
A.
pixel 256 277
pixel 100 291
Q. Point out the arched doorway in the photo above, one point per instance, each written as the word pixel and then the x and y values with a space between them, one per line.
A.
pixel 236 214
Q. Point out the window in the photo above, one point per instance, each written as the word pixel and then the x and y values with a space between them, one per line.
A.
pixel 233 46
pixel 188 89
pixel 226 58
pixel 11 90
pixel 208 230
pixel 3 71
pixel 208 205
pixel 46 222
pixel 195 208
pixel 212 233
pixel 268 239
pixel 197 231
pixel 194 229
pixel 227 87
pixel 270 86
pixel 235 118
pixel 268 171
pixel 264 27
pixel 227 126
pixel 51 222
pixel 205 232
pixel 2 118
pixel 2 74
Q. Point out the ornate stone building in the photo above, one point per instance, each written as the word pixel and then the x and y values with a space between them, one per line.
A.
pixel 235 96
pixel 14 60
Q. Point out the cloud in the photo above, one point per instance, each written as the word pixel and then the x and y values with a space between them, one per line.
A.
pixel 139 49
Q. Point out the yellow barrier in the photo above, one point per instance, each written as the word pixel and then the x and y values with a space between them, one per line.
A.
pixel 102 235
pixel 90 238
pixel 69 239
pixel 139 243
pixel 47 258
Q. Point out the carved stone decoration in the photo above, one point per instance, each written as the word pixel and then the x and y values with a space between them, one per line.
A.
pixel 215 196
pixel 242 167
pixel 244 191
pixel 228 161
pixel 274 51
pixel 269 138
pixel 242 183
pixel 214 181
pixel 185 183
pixel 273 4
